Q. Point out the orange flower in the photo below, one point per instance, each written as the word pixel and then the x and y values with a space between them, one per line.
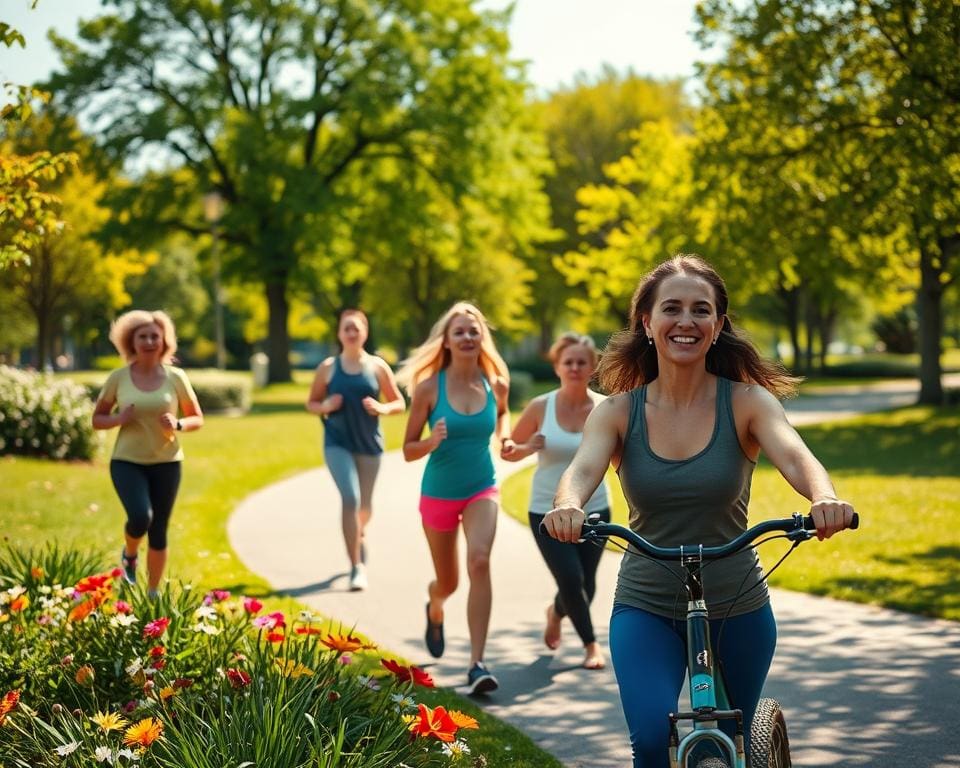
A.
pixel 434 723
pixel 308 631
pixel 403 674
pixel 343 643
pixel 8 703
pixel 463 721
pixel 84 675
pixel 82 610
pixel 19 603
pixel 36 573
pixel 144 733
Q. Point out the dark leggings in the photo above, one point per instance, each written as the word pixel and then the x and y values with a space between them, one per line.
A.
pixel 574 568
pixel 147 492
pixel 649 655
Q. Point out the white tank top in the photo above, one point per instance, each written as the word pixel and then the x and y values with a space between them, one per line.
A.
pixel 558 450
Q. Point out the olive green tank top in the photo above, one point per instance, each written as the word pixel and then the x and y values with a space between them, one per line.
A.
pixel 699 500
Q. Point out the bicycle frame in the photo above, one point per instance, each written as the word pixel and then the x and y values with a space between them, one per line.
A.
pixel 708 700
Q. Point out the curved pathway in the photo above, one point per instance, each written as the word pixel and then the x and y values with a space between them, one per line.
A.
pixel 860 685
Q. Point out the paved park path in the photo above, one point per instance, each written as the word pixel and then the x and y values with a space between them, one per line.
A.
pixel 861 686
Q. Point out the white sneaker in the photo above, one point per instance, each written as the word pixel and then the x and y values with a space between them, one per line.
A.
pixel 358 578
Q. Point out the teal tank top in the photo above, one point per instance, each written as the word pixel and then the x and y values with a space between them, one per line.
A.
pixel 699 500
pixel 461 465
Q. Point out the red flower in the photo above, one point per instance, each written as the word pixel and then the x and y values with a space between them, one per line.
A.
pixel 156 627
pixel 309 631
pixel 183 682
pixel 238 678
pixel 434 723
pixel 405 674
pixel 252 606
pixel 275 637
pixel 157 650
pixel 94 583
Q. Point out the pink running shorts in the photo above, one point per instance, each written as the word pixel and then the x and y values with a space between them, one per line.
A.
pixel 445 514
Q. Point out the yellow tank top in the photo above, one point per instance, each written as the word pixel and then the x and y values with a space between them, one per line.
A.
pixel 144 440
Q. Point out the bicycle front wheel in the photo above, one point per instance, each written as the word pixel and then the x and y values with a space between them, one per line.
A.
pixel 769 745
pixel 713 762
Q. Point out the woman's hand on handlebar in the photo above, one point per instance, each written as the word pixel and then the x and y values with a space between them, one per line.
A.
pixel 830 516
pixel 564 523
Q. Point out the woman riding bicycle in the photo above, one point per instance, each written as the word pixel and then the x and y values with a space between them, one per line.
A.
pixel 692 406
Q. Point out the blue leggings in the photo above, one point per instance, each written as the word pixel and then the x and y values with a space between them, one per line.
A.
pixel 650 660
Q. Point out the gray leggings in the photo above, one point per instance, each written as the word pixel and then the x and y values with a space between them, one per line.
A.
pixel 354 475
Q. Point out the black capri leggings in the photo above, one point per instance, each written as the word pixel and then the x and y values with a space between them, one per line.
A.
pixel 147 492
pixel 574 568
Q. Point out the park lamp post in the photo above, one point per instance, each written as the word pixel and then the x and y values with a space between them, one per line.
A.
pixel 212 211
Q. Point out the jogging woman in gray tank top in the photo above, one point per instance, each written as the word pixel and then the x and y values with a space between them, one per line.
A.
pixel 552 426
pixel 346 393
pixel 692 405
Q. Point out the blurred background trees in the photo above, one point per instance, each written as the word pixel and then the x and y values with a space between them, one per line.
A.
pixel 392 155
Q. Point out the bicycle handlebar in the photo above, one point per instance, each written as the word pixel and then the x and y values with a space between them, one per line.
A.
pixel 797 528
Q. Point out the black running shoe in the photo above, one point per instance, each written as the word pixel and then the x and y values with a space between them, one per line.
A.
pixel 434 636
pixel 129 567
pixel 480 679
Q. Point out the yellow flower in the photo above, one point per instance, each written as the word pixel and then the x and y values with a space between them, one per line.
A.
pixel 292 668
pixel 167 692
pixel 144 733
pixel 19 603
pixel 109 721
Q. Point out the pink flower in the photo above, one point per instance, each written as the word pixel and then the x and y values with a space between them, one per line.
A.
pixel 156 627
pixel 123 606
pixel 252 606
pixel 270 621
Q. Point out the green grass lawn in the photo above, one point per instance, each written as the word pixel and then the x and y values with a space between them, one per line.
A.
pixel 901 470
pixel 73 504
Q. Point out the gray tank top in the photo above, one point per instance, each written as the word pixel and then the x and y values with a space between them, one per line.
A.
pixel 699 500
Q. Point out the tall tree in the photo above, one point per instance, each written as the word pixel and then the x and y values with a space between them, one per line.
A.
pixel 589 125
pixel 26 209
pixel 274 103
pixel 867 94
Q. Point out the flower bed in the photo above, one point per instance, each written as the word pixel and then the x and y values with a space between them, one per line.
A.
pixel 93 672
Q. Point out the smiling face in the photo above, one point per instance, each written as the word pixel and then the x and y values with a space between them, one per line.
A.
pixel 575 364
pixel 463 336
pixel 683 322
pixel 352 331
pixel 147 341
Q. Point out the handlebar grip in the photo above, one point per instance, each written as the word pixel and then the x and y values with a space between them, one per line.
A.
pixel 809 526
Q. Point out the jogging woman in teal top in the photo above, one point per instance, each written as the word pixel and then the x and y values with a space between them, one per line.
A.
pixel 459 384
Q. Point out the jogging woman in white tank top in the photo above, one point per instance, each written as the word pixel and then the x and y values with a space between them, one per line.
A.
pixel 551 426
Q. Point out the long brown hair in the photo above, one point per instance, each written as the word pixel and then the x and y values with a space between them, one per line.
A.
pixel 629 360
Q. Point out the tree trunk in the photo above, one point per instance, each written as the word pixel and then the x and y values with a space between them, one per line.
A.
pixel 792 307
pixel 278 334
pixel 827 321
pixel 929 300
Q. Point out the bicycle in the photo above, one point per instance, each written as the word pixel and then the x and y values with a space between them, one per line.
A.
pixel 770 747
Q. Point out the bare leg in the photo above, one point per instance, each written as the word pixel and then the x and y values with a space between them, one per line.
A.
pixel 551 635
pixel 367 469
pixel 443 550
pixel 479 527
pixel 156 561
pixel 131 545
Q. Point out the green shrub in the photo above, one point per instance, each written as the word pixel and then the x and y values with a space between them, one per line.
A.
pixel 92 671
pixel 44 416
